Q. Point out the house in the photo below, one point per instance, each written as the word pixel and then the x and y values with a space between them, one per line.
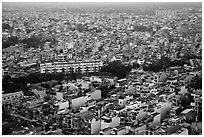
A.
pixel 95 126
pixel 175 120
pixel 83 84
pixel 86 122
pixel 95 94
pixel 52 132
pixel 138 128
pixel 123 100
pixel 95 78
pixel 163 108
pixel 79 101
pixel 183 90
pixel 175 111
pixel 109 122
pixel 121 82
pixel 156 119
pixel 59 96
pixel 39 92
pixel 172 129
pixel 130 89
pixel 188 114
pixel 62 105
pixel 106 131
pixel 182 131
pixel 120 130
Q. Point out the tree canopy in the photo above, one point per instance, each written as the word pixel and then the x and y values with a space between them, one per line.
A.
pixel 117 69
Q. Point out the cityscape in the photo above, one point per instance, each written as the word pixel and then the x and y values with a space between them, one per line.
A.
pixel 101 68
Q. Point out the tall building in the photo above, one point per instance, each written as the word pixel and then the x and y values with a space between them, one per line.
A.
pixel 167 13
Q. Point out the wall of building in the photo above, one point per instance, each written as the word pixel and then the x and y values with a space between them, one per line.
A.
pixel 122 131
pixel 66 66
pixel 77 102
pixel 141 114
pixel 95 78
pixel 164 107
pixel 104 124
pixel 183 90
pixel 59 96
pixel 130 89
pixel 84 84
pixel 10 97
pixel 40 93
pixel 184 132
pixel 122 102
pixel 114 123
pixel 139 129
pixel 95 126
pixel 156 120
pixel 63 105
pixel 96 94
pixel 107 132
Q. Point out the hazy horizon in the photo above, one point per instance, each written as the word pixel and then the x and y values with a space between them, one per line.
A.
pixel 91 4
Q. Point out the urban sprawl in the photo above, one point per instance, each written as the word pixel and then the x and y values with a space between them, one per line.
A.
pixel 98 73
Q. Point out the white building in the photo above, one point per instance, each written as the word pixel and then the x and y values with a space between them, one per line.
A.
pixel 95 78
pixel 120 130
pixel 11 97
pixel 68 67
pixel 63 105
pixel 39 92
pixel 80 101
pixel 59 96
pixel 163 108
pixel 95 94
pixel 95 126
pixel 123 101
pixel 139 129
pixel 109 122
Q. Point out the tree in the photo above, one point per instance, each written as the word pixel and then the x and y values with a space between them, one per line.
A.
pixel 5 26
pixel 116 68
pixel 104 91
pixel 196 82
pixel 186 100
pixel 136 65
pixel 10 42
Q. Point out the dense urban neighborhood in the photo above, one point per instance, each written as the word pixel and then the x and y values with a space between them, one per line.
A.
pixel 101 71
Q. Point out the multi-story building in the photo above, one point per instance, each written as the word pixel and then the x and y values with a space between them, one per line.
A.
pixel 166 13
pixel 11 97
pixel 71 67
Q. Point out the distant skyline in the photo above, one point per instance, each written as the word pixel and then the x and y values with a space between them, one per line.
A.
pixel 107 4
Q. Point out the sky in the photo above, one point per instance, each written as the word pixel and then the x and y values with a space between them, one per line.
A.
pixel 107 4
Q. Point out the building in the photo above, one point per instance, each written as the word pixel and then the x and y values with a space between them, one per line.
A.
pixel 39 92
pixel 63 105
pixel 79 101
pixel 120 130
pixel 167 13
pixel 71 67
pixel 86 122
pixel 109 122
pixel 11 97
